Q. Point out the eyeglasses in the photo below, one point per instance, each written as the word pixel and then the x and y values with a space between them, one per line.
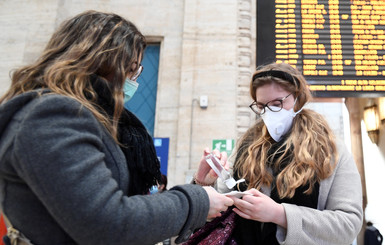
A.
pixel 274 105
pixel 138 72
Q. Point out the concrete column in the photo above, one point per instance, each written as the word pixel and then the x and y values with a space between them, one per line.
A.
pixel 353 107
pixel 208 68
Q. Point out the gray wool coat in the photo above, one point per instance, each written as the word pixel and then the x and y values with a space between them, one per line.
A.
pixel 63 180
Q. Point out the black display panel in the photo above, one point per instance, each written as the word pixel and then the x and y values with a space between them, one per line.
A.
pixel 338 45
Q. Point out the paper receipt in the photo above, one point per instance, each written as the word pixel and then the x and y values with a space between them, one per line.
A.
pixel 237 194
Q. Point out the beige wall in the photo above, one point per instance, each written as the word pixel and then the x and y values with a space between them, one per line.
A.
pixel 207 48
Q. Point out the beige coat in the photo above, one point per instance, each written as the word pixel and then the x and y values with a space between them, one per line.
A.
pixel 338 218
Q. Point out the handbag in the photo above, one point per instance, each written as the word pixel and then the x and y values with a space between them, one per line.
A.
pixel 219 231
pixel 14 236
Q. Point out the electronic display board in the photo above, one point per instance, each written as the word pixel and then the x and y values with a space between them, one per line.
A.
pixel 339 45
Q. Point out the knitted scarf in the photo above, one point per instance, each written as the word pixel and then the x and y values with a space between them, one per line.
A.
pixel 136 143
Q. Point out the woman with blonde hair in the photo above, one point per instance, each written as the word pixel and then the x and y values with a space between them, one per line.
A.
pixel 305 185
pixel 76 167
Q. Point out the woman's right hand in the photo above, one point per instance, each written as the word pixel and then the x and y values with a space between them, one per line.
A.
pixel 205 175
pixel 218 202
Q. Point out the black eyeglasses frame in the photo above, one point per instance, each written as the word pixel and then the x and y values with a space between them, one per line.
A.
pixel 254 106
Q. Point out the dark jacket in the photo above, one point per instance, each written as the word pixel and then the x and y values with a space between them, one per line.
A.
pixel 64 180
pixel 372 236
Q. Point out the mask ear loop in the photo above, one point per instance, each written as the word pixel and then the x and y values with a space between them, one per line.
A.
pixel 137 74
pixel 295 113
pixel 296 84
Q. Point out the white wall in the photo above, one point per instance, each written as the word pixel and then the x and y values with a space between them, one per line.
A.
pixel 375 181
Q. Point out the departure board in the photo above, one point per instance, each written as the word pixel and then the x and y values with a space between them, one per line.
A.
pixel 339 45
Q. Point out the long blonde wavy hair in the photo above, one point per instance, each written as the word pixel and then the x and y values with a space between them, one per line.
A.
pixel 90 43
pixel 310 147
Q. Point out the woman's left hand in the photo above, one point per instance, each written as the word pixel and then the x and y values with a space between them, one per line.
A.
pixel 207 175
pixel 260 207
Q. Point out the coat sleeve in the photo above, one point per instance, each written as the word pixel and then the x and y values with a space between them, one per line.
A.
pixel 339 218
pixel 59 156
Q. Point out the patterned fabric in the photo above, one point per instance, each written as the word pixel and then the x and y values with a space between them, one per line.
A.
pixel 217 232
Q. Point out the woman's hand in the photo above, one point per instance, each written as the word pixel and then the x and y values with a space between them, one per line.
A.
pixel 261 208
pixel 218 202
pixel 205 175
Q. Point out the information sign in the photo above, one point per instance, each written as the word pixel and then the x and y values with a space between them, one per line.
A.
pixel 339 45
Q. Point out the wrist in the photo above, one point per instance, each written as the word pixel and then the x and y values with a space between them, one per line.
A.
pixel 280 218
pixel 201 183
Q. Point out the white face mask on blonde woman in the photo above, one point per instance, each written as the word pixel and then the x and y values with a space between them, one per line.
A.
pixel 278 123
pixel 275 106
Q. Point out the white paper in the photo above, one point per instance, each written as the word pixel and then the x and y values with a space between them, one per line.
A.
pixel 237 194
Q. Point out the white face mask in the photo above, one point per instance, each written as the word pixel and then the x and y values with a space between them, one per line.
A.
pixel 278 123
pixel 129 89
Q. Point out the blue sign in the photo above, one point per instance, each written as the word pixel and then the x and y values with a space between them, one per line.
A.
pixel 161 147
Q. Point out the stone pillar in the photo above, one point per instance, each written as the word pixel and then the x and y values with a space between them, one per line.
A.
pixel 212 52
pixel 245 64
pixel 353 107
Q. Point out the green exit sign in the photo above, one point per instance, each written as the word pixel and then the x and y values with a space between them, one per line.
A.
pixel 226 145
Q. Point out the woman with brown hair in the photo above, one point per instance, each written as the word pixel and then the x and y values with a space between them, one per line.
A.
pixel 305 185
pixel 75 165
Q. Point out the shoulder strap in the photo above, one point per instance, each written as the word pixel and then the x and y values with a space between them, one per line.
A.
pixel 6 221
